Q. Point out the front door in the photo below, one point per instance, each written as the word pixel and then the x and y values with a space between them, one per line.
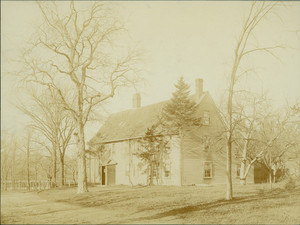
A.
pixel 111 174
pixel 103 175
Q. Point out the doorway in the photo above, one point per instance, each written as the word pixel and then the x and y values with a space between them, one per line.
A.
pixel 103 175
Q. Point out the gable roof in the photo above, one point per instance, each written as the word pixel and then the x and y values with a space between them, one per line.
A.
pixel 130 124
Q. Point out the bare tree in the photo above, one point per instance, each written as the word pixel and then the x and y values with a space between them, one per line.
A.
pixel 71 167
pixel 266 137
pixel 249 111
pixel 258 11
pixel 53 122
pixel 278 136
pixel 29 133
pixel 17 158
pixel 65 135
pixel 6 158
pixel 14 158
pixel 77 47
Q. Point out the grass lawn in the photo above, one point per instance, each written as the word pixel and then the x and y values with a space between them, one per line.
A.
pixel 158 204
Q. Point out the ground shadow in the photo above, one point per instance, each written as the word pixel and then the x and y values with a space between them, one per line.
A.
pixel 180 211
pixel 92 200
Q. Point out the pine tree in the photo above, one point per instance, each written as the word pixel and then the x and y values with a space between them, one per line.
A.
pixel 180 111
pixel 179 114
pixel 152 151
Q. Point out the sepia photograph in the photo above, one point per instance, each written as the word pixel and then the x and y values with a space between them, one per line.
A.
pixel 150 112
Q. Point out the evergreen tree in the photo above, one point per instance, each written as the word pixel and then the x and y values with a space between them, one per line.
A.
pixel 152 151
pixel 180 111
pixel 179 114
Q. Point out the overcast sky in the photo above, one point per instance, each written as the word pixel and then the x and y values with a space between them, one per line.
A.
pixel 193 39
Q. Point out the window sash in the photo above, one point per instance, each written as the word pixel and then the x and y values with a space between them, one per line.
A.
pixel 206 118
pixel 207 170
pixel 238 170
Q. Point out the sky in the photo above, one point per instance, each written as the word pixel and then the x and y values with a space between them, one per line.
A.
pixel 194 39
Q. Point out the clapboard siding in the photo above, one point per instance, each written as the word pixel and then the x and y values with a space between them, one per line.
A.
pixel 187 156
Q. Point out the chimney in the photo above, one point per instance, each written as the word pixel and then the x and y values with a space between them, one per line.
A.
pixel 198 89
pixel 136 100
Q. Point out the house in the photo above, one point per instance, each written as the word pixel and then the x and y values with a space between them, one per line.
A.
pixel 199 158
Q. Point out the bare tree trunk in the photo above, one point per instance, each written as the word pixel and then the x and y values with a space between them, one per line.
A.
pixel 62 169
pixel 151 174
pixel 161 164
pixel 157 172
pixel 81 160
pixel 82 179
pixel 270 178
pixel 13 177
pixel 270 170
pixel 229 140
pixel 54 163
pixel 243 174
pixel 257 12
pixel 74 176
pixel 248 169
pixel 28 157
pixel 130 163
pixel 228 172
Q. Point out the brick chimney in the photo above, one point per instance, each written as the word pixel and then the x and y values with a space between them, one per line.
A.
pixel 198 89
pixel 136 100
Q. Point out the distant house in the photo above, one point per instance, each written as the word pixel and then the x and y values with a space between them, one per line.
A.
pixel 200 158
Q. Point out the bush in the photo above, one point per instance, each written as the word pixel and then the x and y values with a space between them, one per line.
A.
pixel 290 184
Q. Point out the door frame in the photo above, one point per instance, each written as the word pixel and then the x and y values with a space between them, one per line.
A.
pixel 114 177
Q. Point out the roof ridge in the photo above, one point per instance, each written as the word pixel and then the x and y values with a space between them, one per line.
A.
pixel 152 104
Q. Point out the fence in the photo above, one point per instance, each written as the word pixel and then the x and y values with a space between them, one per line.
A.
pixel 22 185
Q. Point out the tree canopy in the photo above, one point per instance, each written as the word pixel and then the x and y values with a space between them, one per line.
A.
pixel 180 111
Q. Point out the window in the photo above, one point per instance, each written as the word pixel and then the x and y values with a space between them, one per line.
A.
pixel 207 169
pixel 167 173
pixel 88 162
pixel 154 172
pixel 167 169
pixel 206 118
pixel 207 142
pixel 238 170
